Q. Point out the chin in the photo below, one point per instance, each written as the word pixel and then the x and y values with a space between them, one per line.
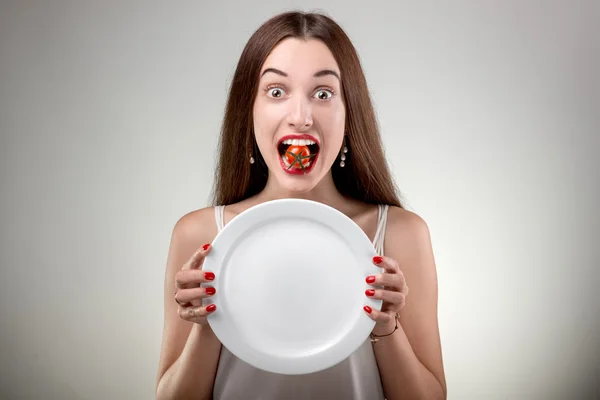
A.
pixel 295 186
pixel 293 182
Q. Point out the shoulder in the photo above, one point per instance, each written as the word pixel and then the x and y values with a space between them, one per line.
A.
pixel 196 226
pixel 408 238
pixel 404 224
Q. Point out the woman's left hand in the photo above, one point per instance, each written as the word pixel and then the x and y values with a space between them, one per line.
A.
pixel 390 287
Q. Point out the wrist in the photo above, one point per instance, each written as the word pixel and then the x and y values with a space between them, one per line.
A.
pixel 203 330
pixel 384 329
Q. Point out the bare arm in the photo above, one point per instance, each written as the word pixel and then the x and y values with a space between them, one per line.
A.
pixel 402 374
pixel 190 351
pixel 192 375
pixel 410 360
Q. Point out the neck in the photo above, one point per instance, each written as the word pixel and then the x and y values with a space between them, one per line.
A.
pixel 325 192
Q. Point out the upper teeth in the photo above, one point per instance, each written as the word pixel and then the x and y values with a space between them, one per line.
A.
pixel 298 142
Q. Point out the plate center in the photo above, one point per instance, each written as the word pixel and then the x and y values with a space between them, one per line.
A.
pixel 293 284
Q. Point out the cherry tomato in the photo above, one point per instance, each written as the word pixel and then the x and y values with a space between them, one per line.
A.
pixel 296 152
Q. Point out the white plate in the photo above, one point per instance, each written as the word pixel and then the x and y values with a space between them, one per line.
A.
pixel 290 280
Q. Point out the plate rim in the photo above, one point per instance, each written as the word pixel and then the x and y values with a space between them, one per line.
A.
pixel 273 364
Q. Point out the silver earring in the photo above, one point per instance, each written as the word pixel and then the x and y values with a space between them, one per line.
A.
pixel 251 159
pixel 343 157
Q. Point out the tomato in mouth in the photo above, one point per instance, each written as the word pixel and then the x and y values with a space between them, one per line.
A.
pixel 298 156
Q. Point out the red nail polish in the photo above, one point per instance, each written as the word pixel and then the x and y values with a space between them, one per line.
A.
pixel 370 279
pixel 210 291
pixel 377 260
pixel 205 247
pixel 209 276
pixel 370 292
pixel 211 308
pixel 367 309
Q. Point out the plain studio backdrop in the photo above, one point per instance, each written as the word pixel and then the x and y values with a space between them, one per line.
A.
pixel 110 114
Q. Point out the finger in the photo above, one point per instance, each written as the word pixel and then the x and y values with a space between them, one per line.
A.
pixel 403 285
pixel 395 281
pixel 389 296
pixel 379 316
pixel 185 277
pixel 185 296
pixel 389 264
pixel 197 258
pixel 180 303
pixel 196 314
pixel 404 288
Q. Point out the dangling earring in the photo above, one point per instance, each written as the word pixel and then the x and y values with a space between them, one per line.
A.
pixel 253 146
pixel 343 156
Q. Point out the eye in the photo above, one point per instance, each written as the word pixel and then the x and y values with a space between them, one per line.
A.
pixel 275 92
pixel 324 94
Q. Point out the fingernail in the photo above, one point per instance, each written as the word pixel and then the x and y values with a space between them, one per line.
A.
pixel 210 291
pixel 367 309
pixel 370 279
pixel 370 292
pixel 377 260
pixel 211 308
pixel 209 276
pixel 205 247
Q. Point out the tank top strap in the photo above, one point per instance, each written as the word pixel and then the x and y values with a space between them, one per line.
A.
pixel 219 217
pixel 378 241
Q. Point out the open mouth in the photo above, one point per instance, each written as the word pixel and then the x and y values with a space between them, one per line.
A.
pixel 298 154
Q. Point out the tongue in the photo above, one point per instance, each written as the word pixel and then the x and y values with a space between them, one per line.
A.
pixel 297 157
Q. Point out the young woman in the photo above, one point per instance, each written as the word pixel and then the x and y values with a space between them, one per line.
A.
pixel 299 123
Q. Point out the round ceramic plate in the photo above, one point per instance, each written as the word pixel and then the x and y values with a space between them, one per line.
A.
pixel 290 280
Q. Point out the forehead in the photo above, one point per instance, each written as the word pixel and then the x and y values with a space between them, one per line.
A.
pixel 300 58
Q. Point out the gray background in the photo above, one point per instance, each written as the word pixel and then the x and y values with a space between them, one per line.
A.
pixel 109 116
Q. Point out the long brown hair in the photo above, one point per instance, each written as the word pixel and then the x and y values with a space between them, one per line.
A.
pixel 365 177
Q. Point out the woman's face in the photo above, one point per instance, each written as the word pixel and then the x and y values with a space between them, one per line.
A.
pixel 299 113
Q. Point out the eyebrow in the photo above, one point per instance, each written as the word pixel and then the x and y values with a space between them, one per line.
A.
pixel 318 74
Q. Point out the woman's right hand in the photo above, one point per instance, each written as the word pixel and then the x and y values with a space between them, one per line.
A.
pixel 189 292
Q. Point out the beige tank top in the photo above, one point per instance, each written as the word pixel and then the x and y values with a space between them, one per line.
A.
pixel 355 378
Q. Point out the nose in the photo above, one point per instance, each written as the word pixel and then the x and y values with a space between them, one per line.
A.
pixel 300 114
